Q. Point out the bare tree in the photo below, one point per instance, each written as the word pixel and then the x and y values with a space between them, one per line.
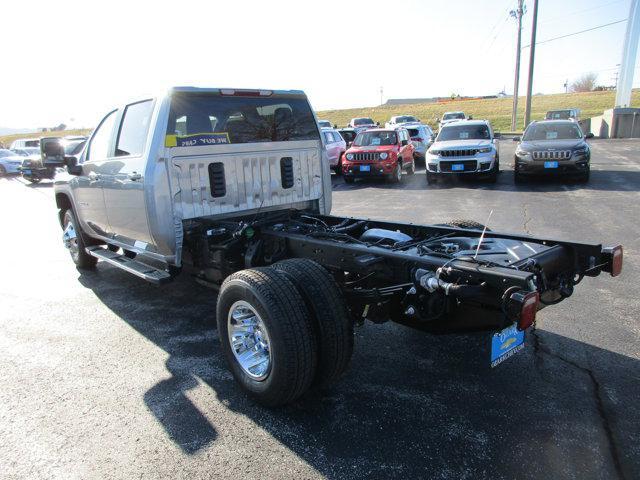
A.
pixel 586 83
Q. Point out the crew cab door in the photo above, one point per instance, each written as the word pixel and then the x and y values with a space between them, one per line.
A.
pixel 123 177
pixel 87 187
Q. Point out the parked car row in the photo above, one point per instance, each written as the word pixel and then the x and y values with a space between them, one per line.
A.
pixel 462 148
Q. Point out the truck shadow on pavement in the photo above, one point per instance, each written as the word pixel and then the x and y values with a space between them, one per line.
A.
pixel 411 405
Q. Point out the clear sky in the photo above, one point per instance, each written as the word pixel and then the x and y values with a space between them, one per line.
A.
pixel 65 59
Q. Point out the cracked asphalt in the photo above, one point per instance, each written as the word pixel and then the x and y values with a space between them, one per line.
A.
pixel 105 376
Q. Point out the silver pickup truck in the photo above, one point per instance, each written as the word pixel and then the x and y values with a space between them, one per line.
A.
pixel 233 186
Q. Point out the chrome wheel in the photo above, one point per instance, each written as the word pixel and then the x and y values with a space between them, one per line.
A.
pixel 70 239
pixel 249 340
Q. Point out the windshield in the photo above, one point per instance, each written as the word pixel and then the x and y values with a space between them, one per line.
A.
pixel 464 132
pixel 405 119
pixel 453 116
pixel 324 123
pixel 363 121
pixel 374 139
pixel 197 119
pixel 73 148
pixel 559 115
pixel 348 135
pixel 552 131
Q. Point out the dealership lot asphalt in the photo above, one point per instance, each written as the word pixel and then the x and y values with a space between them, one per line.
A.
pixel 105 376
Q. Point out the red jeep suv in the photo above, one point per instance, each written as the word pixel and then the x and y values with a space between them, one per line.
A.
pixel 379 153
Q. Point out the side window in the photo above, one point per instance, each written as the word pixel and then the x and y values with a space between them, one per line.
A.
pixel 99 146
pixel 328 138
pixel 134 128
pixel 336 137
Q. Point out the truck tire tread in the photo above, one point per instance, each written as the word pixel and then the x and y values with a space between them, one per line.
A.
pixel 331 320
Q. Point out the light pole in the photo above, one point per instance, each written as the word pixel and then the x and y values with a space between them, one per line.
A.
pixel 517 14
pixel 532 56
pixel 629 50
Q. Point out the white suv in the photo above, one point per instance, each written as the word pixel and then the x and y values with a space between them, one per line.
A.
pixel 464 148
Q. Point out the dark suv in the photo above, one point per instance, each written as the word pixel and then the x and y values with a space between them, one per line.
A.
pixel 553 147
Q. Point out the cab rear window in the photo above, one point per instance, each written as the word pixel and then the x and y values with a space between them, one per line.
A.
pixel 205 119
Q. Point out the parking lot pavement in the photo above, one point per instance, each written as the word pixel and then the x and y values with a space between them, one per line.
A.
pixel 107 376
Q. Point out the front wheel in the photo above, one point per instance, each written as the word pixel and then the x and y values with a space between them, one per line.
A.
pixel 31 179
pixel 396 175
pixel 267 335
pixel 72 239
pixel 412 168
pixel 431 178
pixel 584 176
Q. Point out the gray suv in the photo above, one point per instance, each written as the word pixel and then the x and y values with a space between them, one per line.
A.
pixel 466 148
pixel 553 147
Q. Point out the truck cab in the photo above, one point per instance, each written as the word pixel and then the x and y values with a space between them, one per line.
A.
pixel 155 163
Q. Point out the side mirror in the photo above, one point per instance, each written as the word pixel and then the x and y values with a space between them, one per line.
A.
pixel 72 165
pixel 404 143
pixel 497 135
pixel 335 125
pixel 516 139
pixel 589 135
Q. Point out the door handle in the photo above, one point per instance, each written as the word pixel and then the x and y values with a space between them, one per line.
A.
pixel 134 176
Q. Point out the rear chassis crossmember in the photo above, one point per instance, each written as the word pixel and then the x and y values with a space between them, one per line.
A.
pixel 384 280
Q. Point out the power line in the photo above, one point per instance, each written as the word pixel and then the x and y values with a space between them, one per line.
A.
pixel 564 17
pixel 577 33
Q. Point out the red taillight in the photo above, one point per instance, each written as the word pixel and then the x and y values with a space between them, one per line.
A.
pixel 528 302
pixel 616 261
pixel 416 139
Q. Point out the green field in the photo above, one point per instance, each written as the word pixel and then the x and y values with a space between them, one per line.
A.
pixel 496 110
pixel 7 139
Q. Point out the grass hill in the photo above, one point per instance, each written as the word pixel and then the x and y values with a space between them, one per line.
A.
pixel 497 110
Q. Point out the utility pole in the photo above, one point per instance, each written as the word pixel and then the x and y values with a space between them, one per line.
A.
pixel 629 50
pixel 517 14
pixel 381 91
pixel 532 57
pixel 566 86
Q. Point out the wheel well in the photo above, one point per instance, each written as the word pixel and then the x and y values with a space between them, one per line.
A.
pixel 63 203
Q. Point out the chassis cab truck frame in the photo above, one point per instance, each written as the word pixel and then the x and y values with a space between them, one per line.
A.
pixel 234 187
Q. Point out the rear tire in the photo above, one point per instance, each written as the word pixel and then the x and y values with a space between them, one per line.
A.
pixel 331 321
pixel 77 246
pixel 290 338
